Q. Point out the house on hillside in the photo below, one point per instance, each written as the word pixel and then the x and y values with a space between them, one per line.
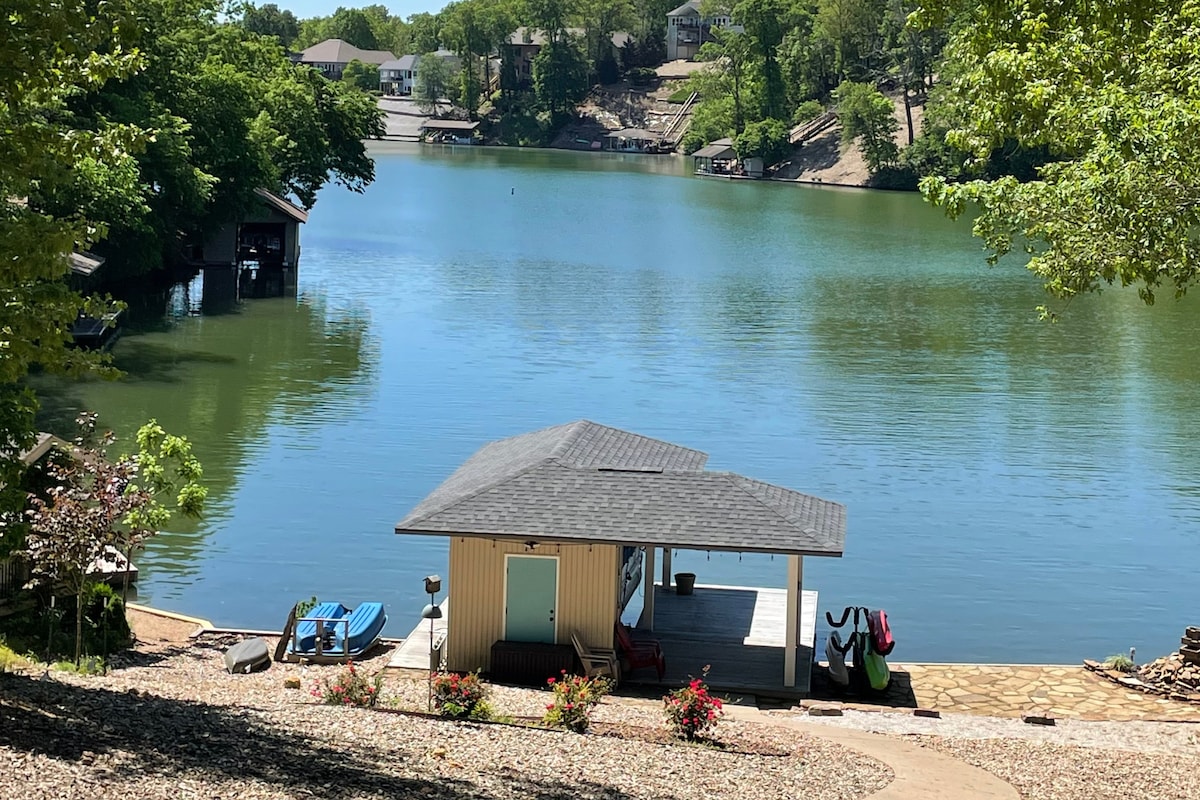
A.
pixel 331 56
pixel 525 43
pixel 688 29
pixel 551 532
pixel 398 77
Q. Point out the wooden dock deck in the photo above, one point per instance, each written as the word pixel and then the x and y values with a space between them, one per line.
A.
pixel 413 652
pixel 737 631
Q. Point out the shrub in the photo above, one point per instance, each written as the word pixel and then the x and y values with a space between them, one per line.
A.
pixel 460 696
pixel 642 76
pixel 809 109
pixel 574 698
pixel 88 665
pixel 692 712
pixel 349 688
pixel 1120 663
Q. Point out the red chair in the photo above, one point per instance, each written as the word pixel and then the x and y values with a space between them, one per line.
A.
pixel 641 653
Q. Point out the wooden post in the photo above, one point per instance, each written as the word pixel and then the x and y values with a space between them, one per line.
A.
pixel 795 589
pixel 666 568
pixel 647 619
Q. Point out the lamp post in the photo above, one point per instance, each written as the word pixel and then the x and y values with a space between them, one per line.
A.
pixel 431 612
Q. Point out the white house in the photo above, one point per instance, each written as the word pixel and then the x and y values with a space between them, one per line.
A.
pixel 687 29
pixel 399 76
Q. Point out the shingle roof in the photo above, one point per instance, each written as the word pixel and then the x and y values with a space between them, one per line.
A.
pixel 283 205
pixel 690 8
pixel 588 482
pixel 403 62
pixel 336 51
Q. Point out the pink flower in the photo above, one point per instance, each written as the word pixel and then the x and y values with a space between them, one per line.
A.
pixel 550 680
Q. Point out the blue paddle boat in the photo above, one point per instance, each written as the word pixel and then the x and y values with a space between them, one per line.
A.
pixel 330 633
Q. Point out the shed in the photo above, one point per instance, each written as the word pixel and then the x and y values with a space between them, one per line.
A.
pixel 548 531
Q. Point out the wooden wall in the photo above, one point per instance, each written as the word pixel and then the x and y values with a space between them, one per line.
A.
pixel 587 595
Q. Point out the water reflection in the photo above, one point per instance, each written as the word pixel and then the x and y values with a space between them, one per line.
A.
pixel 1002 475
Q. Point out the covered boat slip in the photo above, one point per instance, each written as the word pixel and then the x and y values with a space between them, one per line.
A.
pixel 739 632
pixel 576 497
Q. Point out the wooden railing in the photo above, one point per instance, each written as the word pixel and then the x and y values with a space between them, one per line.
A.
pixel 678 124
pixel 807 130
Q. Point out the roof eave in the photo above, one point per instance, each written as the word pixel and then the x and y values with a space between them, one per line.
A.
pixel 632 542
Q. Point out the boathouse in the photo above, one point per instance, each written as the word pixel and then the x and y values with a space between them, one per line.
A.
pixel 553 532
pixel 257 255
pixel 718 158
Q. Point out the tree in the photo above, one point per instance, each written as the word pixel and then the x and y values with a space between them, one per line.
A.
pixel 600 19
pixel 98 505
pixel 431 82
pixel 731 53
pixel 231 114
pixel 766 22
pixel 767 140
pixel 560 75
pixel 362 76
pixel 424 32
pixel 269 20
pixel 352 26
pixel 50 54
pixel 1110 92
pixel 867 114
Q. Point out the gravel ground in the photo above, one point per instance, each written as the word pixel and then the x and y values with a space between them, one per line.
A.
pixel 1043 771
pixel 171 724
pixel 1072 759
pixel 1145 737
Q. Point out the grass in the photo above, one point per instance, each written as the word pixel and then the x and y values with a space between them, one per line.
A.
pixel 10 660
pixel 680 95
pixel 1119 662
pixel 88 665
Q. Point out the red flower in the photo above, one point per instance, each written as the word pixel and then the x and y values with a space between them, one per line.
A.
pixel 550 680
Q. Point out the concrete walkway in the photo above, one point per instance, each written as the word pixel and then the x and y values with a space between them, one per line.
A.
pixel 920 774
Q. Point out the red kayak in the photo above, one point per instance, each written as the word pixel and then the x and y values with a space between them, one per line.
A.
pixel 881 634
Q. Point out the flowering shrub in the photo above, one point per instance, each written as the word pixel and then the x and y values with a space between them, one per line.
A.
pixel 349 688
pixel 574 698
pixel 460 696
pixel 692 711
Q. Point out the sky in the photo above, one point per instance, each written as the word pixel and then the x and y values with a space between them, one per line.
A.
pixel 323 8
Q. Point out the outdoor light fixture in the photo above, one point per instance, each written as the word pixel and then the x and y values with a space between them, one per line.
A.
pixel 531 545
pixel 432 611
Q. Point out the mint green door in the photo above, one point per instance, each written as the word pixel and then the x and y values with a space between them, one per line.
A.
pixel 531 594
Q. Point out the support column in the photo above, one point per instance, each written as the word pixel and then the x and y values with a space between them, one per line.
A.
pixel 666 568
pixel 647 619
pixel 795 589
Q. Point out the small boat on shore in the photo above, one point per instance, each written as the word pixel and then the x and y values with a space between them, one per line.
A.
pixel 330 633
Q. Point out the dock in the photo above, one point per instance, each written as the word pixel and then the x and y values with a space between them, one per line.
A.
pixel 414 653
pixel 737 631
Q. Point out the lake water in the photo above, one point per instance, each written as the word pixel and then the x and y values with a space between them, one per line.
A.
pixel 1016 490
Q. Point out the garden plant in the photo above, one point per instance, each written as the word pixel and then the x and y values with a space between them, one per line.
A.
pixel 693 711
pixel 574 698
pixel 350 688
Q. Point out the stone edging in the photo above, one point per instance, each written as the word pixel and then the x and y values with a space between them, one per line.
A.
pixel 1130 682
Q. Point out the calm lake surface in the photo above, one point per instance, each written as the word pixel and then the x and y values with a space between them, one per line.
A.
pixel 1017 491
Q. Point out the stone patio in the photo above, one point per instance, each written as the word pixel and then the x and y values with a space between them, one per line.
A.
pixel 1000 690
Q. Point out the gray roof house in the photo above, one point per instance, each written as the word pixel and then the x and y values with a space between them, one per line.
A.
pixel 331 56
pixel 552 531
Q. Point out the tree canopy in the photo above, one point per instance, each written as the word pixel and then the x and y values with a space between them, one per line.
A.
pixel 1111 93
pixel 126 124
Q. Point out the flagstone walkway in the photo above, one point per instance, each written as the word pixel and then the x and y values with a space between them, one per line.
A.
pixel 1003 690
